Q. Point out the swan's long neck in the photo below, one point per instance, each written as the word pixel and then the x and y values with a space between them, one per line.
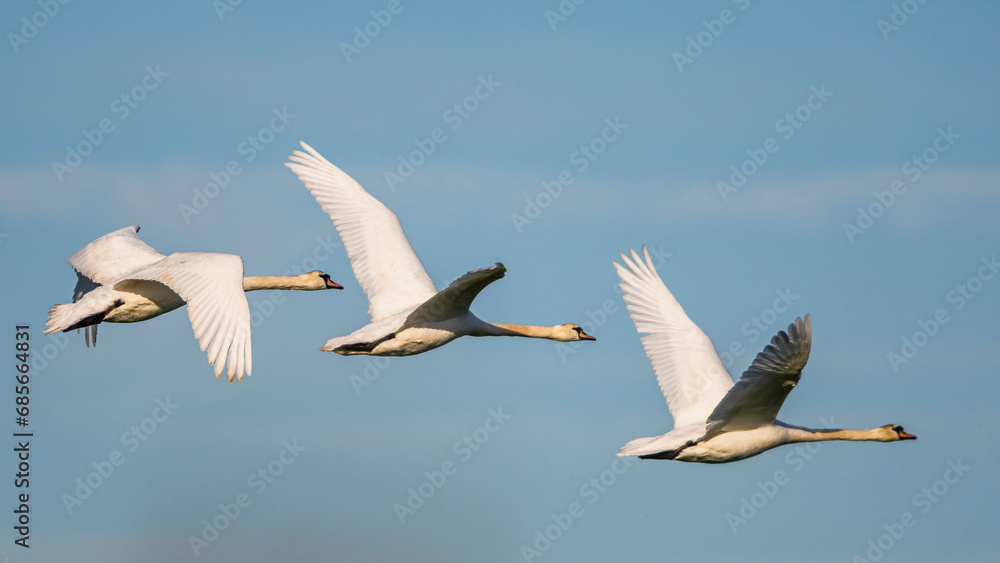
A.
pixel 253 283
pixel 500 329
pixel 799 434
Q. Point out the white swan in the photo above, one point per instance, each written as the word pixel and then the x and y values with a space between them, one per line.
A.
pixel 408 314
pixel 716 421
pixel 121 279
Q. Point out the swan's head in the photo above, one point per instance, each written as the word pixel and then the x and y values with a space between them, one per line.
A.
pixel 320 280
pixel 570 332
pixel 895 432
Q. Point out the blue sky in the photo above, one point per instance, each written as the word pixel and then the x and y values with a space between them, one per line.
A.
pixel 179 89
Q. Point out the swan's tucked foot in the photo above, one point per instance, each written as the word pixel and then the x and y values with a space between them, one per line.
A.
pixel 87 334
pixel 662 455
pixel 669 454
pixel 360 347
pixel 353 349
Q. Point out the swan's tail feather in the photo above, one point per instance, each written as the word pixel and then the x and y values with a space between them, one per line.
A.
pixel 334 343
pixel 71 316
pixel 637 446
pixel 62 318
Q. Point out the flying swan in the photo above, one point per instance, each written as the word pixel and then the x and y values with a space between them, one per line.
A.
pixel 408 314
pixel 121 279
pixel 716 421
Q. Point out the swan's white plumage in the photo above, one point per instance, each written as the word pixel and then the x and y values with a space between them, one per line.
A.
pixel 716 421
pixel 113 256
pixel 690 373
pixel 441 309
pixel 212 286
pixel 408 314
pixel 383 261
pixel 118 272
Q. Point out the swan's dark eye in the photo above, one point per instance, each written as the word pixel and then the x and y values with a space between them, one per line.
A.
pixel 897 429
pixel 578 329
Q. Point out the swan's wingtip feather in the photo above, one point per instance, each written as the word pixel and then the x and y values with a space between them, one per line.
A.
pixel 649 259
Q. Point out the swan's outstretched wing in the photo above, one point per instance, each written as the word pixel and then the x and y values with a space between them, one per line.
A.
pixel 688 369
pixel 84 285
pixel 212 286
pixel 382 259
pixel 756 398
pixel 457 298
pixel 113 256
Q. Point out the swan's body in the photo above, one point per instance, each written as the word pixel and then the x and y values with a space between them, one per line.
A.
pixel 715 420
pixel 121 279
pixel 408 314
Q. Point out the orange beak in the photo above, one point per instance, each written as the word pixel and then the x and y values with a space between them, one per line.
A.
pixel 333 285
pixel 906 436
pixel 585 336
